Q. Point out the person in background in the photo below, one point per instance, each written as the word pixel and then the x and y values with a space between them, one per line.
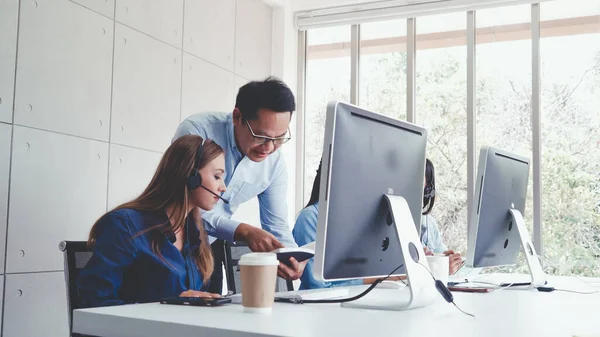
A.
pixel 251 136
pixel 430 232
pixel 305 231
pixel 155 245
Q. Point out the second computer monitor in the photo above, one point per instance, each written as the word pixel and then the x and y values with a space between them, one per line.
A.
pixel 501 186
pixel 366 155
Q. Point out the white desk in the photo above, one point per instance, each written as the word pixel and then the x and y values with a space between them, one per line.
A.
pixel 500 313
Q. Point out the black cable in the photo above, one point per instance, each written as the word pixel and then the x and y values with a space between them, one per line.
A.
pixel 298 299
pixel 444 291
pixel 551 289
pixel 577 292
pixel 464 312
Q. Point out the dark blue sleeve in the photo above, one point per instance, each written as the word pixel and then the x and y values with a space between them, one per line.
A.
pixel 100 280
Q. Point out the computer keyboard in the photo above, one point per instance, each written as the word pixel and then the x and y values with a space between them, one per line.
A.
pixel 309 294
pixel 316 294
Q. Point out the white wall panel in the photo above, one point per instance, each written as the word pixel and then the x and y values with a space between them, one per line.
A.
pixel 64 69
pixel 209 31
pixel 161 19
pixel 130 172
pixel 254 20
pixel 238 83
pixel 36 305
pixel 83 80
pixel 206 87
pixel 104 7
pixel 146 91
pixel 5 135
pixel 9 10
pixel 57 191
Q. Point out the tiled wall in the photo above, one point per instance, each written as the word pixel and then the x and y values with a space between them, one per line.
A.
pixel 100 88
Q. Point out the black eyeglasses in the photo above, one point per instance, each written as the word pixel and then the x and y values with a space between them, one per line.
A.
pixel 258 139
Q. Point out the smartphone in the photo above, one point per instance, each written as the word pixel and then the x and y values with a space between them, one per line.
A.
pixel 299 256
pixel 196 301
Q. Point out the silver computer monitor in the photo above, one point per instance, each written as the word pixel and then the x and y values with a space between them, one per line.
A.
pixel 366 155
pixel 501 186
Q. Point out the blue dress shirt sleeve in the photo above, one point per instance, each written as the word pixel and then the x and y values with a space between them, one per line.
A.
pixel 273 208
pixel 220 225
pixel 100 281
pixel 305 231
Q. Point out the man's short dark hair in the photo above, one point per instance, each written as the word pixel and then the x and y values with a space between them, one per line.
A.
pixel 270 94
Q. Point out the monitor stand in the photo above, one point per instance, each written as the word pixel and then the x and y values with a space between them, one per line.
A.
pixel 538 277
pixel 421 290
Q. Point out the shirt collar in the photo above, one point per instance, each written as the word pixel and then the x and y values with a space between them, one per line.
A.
pixel 231 139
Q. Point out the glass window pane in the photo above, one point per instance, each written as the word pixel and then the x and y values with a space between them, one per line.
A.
pixel 441 107
pixel 570 55
pixel 382 83
pixel 503 85
pixel 327 79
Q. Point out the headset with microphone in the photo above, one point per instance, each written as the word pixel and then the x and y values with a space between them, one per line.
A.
pixel 429 190
pixel 195 179
pixel 428 197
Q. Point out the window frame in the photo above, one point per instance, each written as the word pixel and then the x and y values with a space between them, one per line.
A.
pixel 412 114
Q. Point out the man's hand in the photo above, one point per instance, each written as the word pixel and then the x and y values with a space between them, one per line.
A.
pixel 258 240
pixel 455 261
pixel 293 271
pixel 195 293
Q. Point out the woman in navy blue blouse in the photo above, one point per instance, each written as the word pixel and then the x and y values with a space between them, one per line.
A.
pixel 155 246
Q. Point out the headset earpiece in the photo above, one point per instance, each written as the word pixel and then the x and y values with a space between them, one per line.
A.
pixel 195 179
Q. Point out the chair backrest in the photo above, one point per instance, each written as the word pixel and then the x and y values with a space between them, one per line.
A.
pixel 234 282
pixel 76 256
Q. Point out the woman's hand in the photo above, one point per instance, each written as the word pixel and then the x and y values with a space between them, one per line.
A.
pixel 455 261
pixel 428 252
pixel 195 293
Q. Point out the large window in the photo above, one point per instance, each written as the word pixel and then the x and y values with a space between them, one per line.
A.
pixel 441 105
pixel 503 89
pixel 382 81
pixel 327 79
pixel 570 54
pixel 505 113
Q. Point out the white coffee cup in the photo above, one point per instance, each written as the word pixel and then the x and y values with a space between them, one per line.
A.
pixel 258 276
pixel 439 266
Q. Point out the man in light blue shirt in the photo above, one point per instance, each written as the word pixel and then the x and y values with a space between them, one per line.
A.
pixel 251 137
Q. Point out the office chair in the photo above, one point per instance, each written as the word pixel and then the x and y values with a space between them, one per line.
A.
pixel 219 250
pixel 234 283
pixel 76 256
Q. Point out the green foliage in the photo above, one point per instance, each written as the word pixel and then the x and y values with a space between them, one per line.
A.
pixel 570 142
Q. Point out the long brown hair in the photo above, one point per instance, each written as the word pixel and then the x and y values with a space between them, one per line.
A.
pixel 169 188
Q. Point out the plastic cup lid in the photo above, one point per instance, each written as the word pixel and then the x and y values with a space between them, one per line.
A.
pixel 258 259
